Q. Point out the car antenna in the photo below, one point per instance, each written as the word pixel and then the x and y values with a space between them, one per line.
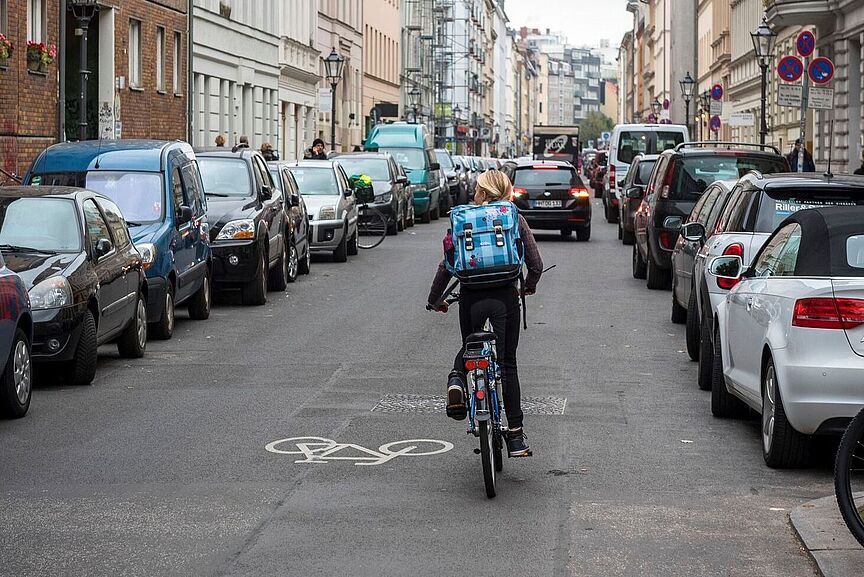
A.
pixel 828 174
pixel 99 150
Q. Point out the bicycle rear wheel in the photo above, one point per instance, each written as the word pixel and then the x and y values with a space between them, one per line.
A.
pixel 849 477
pixel 487 449
pixel 498 443
pixel 371 227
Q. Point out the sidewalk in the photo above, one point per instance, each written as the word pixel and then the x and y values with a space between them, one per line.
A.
pixel 825 536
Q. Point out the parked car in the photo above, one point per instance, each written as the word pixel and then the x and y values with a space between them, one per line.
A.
pixel 587 157
pixel 466 176
pixel 409 195
pixel 16 338
pixel 299 229
pixel 170 232
pixel 677 181
pixel 551 196
pixel 390 187
pixel 85 279
pixel 411 146
pixel 788 340
pixel 597 171
pixel 249 227
pixel 754 209
pixel 633 192
pixel 455 185
pixel 332 206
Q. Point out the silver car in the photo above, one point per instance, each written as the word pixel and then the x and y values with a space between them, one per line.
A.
pixel 331 206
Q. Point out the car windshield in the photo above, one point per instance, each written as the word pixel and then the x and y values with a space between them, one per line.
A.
pixel 374 168
pixel 544 177
pixel 444 159
pixel 693 174
pixel 634 142
pixel 225 176
pixel 313 181
pixel 138 194
pixel 410 158
pixel 43 224
pixel 775 206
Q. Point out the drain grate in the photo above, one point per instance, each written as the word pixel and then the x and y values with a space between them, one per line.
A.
pixel 426 404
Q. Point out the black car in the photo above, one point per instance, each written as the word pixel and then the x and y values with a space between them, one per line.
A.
pixel 458 191
pixel 299 230
pixel 249 228
pixel 551 196
pixel 72 249
pixel 390 187
pixel 466 175
pixel 678 180
pixel 632 192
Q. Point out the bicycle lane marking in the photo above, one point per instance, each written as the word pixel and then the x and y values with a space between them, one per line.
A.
pixel 321 450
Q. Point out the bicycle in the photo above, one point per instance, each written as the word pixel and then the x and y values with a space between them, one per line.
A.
pixel 849 477
pixel 371 226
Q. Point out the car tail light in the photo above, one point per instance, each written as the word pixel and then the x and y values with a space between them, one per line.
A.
pixel 667 182
pixel 828 313
pixel 545 167
pixel 519 192
pixel 734 249
pixel 611 173
pixel 667 239
pixel 579 192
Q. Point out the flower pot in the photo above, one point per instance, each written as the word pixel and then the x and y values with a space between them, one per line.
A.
pixel 33 65
pixel 43 68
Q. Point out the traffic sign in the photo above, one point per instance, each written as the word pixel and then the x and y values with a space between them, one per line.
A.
pixel 605 136
pixel 742 119
pixel 806 44
pixel 714 123
pixel 789 95
pixel 820 98
pixel 716 108
pixel 821 70
pixel 790 68
pixel 717 92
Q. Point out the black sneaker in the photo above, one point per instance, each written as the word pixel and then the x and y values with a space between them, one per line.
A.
pixel 456 408
pixel 517 445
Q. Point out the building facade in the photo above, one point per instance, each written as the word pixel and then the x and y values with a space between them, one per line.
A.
pixel 340 26
pixel 382 61
pixel 299 75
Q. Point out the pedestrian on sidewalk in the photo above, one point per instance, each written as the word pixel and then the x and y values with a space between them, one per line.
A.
pixel 244 143
pixel 793 158
pixel 220 141
pixel 318 150
pixel 268 153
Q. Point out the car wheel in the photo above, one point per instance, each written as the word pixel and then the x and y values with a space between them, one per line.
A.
pixel 82 368
pixel 341 252
pixel 254 292
pixel 293 267
pixel 723 403
pixel 620 230
pixel 693 326
pixel 782 446
pixel 305 264
pixel 583 234
pixel 133 342
pixel 706 356
pixel 199 304
pixel 627 238
pixel 277 277
pixel 566 232
pixel 435 214
pixel 426 217
pixel 656 278
pixel 409 221
pixel 400 223
pixel 164 328
pixel 354 243
pixel 610 214
pixel 598 193
pixel 16 382
pixel 392 227
pixel 638 264
pixel 679 313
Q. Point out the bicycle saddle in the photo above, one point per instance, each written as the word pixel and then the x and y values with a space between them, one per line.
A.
pixel 480 337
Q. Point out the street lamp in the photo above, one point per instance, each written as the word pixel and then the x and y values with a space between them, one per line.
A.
pixel 83 11
pixel 333 65
pixel 687 85
pixel 656 107
pixel 415 95
pixel 763 44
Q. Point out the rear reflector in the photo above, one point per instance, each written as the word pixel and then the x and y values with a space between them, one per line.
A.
pixel 828 313
pixel 481 394
pixel 472 364
pixel 667 239
pixel 611 173
pixel 734 249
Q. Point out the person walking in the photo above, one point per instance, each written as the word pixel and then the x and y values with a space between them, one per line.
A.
pixel 268 153
pixel 220 141
pixel 809 166
pixel 318 150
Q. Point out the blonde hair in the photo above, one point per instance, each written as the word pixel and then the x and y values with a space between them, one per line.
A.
pixel 495 185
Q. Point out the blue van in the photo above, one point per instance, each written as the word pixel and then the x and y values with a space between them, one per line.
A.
pixel 411 146
pixel 158 188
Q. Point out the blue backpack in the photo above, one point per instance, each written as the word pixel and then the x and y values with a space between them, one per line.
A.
pixel 485 249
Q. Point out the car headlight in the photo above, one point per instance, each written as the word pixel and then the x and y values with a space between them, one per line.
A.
pixel 241 229
pixel 327 213
pixel 51 293
pixel 147 252
pixel 384 197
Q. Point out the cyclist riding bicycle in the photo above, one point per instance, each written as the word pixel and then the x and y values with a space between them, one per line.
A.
pixel 499 304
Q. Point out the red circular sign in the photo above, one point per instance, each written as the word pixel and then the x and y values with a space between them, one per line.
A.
pixel 821 70
pixel 806 44
pixel 790 68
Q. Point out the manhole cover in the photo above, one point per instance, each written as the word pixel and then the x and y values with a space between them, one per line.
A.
pixel 427 404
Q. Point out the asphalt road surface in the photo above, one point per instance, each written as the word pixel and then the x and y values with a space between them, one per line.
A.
pixel 162 468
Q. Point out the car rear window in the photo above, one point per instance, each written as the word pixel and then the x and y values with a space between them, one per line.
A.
pixel 644 172
pixel 692 174
pixel 545 177
pixel 776 205
pixel 636 142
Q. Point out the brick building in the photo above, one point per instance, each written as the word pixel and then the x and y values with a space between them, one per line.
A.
pixel 137 55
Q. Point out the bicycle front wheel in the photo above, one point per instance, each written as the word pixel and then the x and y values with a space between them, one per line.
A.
pixel 371 228
pixel 487 450
pixel 849 477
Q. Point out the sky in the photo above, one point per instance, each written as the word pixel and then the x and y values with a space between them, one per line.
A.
pixel 584 22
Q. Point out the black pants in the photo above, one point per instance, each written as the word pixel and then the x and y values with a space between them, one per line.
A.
pixel 501 307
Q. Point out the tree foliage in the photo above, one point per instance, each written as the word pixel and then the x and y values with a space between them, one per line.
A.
pixel 594 124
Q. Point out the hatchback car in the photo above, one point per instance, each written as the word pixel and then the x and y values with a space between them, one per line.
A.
pixel 633 190
pixel 551 196
pixel 466 175
pixel 84 276
pixel 16 336
pixel 158 188
pixel 789 339
pixel 455 186
pixel 332 206
pixel 677 182
pixel 299 229
pixel 391 194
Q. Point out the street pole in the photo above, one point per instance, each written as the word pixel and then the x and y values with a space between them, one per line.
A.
pixel 805 94
pixel 687 113
pixel 333 116
pixel 763 126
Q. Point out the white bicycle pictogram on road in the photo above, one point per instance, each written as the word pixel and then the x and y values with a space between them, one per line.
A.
pixel 322 450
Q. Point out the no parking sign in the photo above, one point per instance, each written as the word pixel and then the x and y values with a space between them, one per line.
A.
pixel 821 70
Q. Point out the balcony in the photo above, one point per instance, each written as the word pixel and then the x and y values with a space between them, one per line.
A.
pixel 783 13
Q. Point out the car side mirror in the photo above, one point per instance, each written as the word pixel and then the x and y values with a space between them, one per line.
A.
pixel 728 267
pixel 266 192
pixel 673 223
pixel 349 192
pixel 184 215
pixel 693 231
pixel 103 247
pixel 402 179
pixel 295 200
pixel 634 192
pixel 434 166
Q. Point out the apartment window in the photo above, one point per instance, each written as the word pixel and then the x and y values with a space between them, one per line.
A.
pixel 3 24
pixel 541 108
pixel 175 81
pixel 160 59
pixel 35 20
pixel 134 54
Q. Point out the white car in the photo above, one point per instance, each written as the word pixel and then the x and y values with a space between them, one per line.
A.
pixel 789 338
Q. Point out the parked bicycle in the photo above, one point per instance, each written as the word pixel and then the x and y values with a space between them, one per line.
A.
pixel 849 477
pixel 371 222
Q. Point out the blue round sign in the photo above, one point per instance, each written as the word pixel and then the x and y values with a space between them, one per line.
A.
pixel 714 123
pixel 717 92
pixel 821 70
pixel 806 44
pixel 790 68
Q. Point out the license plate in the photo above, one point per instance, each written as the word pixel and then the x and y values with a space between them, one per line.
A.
pixel 548 204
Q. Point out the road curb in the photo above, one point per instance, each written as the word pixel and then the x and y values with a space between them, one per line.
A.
pixel 821 529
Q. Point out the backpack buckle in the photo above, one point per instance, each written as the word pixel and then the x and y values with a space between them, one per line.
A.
pixel 499 233
pixel 469 238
